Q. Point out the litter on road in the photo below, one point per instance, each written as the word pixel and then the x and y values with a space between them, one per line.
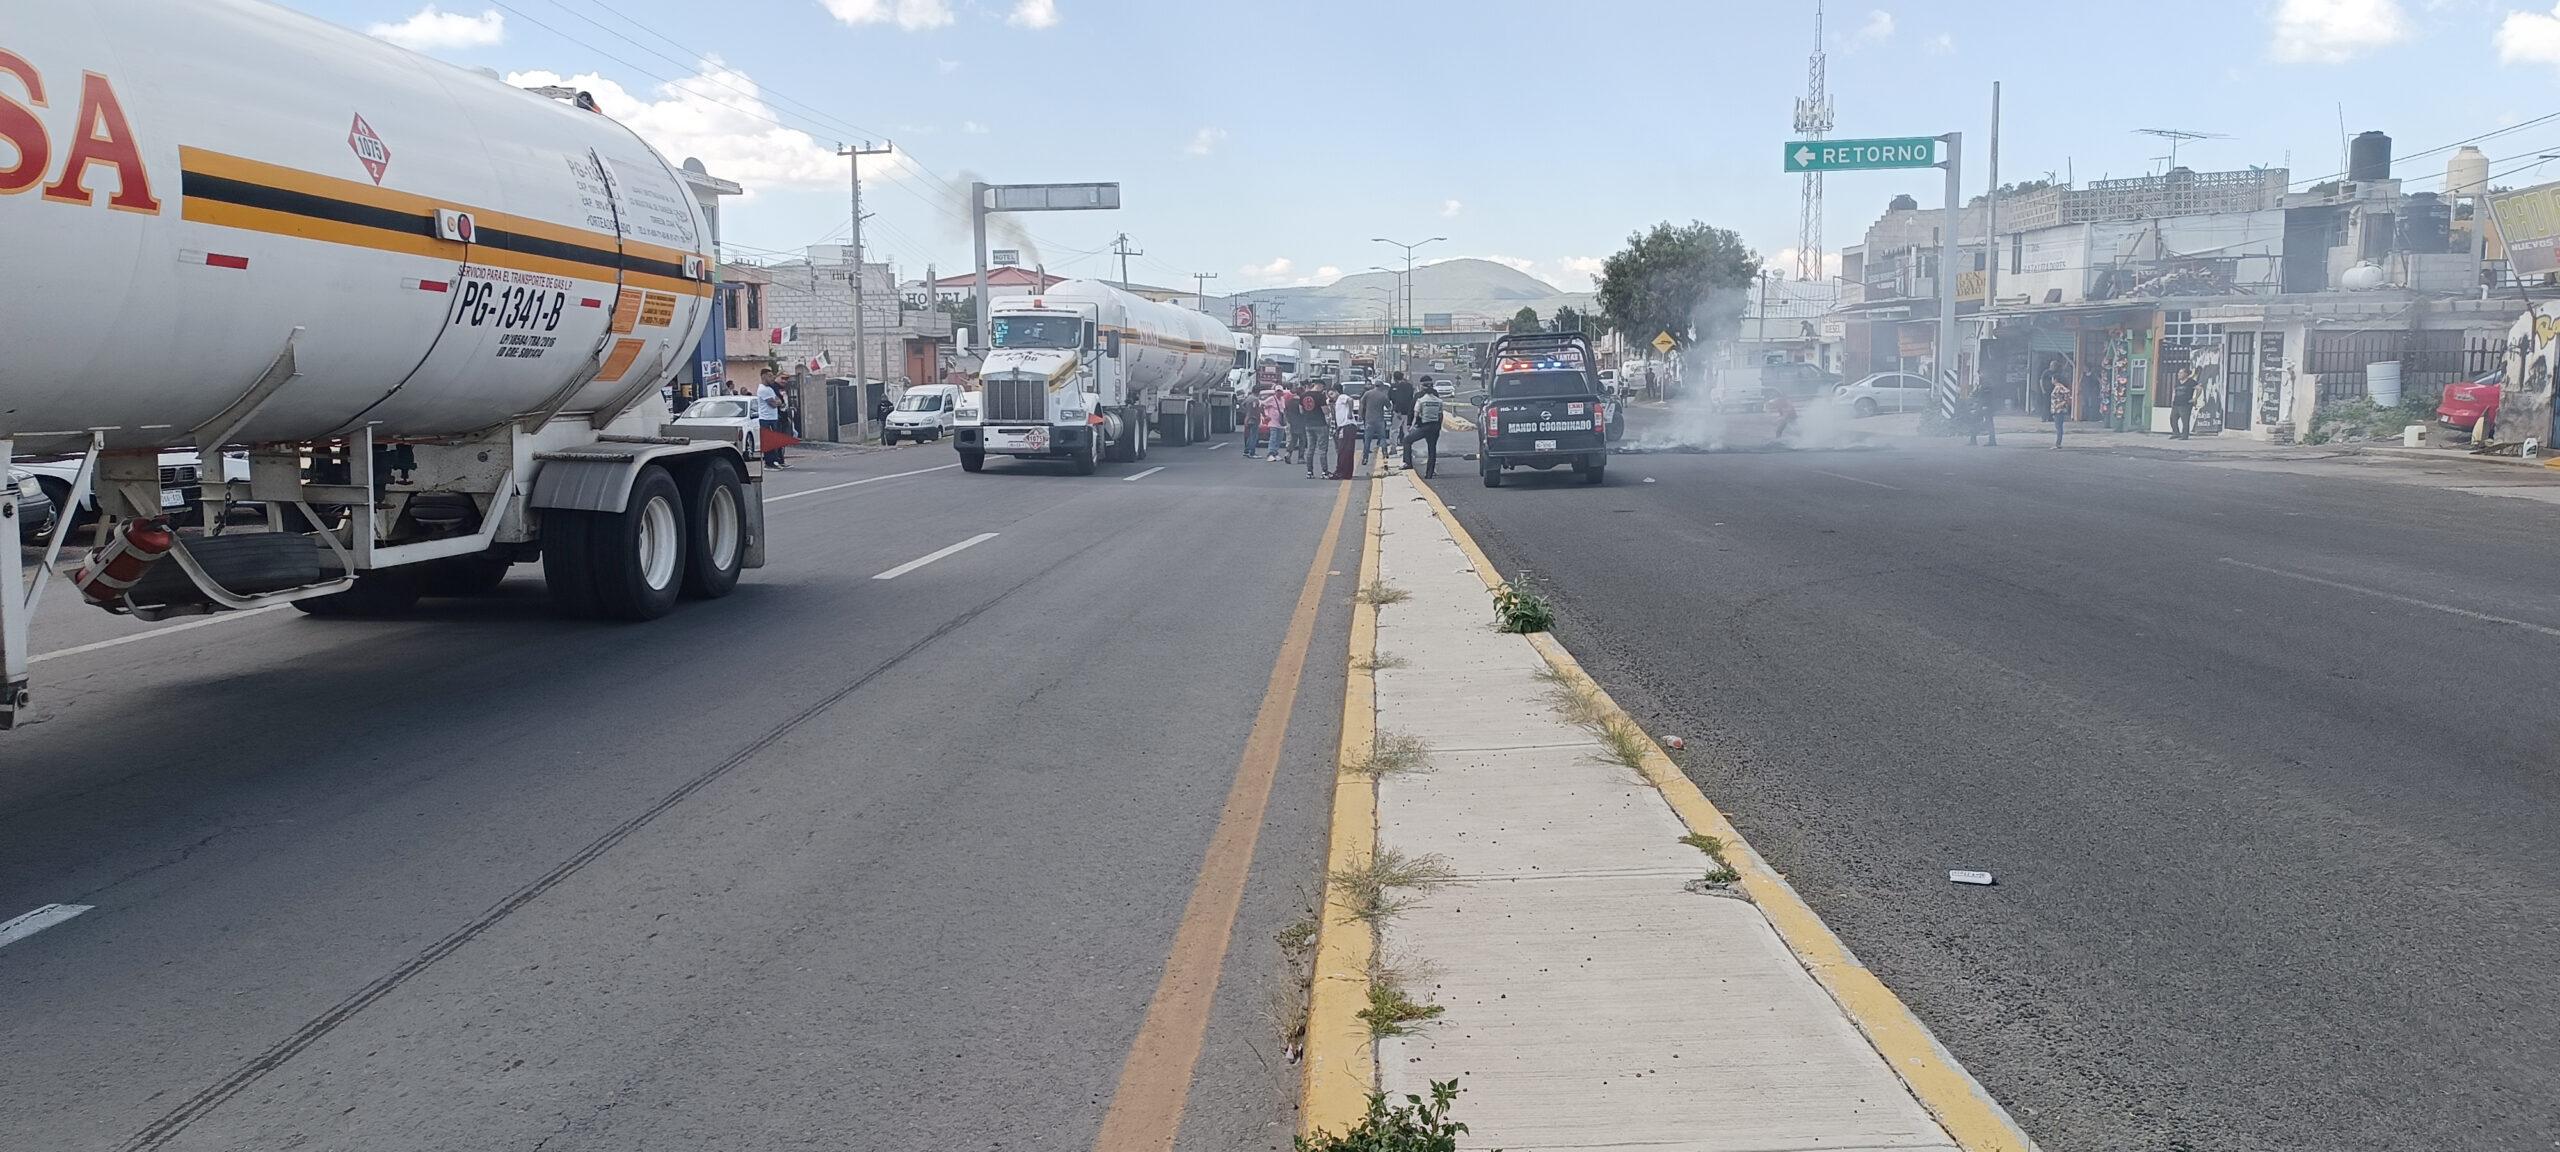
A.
pixel 1961 876
pixel 1674 743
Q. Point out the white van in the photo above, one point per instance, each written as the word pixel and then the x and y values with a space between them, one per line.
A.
pixel 923 413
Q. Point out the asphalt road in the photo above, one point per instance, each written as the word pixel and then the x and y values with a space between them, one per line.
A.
pixel 836 862
pixel 2260 753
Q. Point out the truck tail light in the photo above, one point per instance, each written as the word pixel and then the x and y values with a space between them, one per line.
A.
pixel 1600 414
pixel 1492 421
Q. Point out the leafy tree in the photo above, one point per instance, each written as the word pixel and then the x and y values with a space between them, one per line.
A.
pixel 1689 280
pixel 1524 320
pixel 1568 320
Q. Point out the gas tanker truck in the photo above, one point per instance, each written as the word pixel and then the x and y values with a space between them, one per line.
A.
pixel 431 311
pixel 1079 373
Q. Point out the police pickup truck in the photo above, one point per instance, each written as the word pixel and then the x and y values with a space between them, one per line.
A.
pixel 1544 408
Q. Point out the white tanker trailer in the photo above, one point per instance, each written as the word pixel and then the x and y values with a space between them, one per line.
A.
pixel 1079 373
pixel 432 309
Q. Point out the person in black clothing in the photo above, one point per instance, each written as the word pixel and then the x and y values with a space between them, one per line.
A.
pixel 2182 406
pixel 1400 398
pixel 1984 412
pixel 1426 428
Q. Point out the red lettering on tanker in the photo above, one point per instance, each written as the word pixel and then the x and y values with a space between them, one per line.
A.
pixel 369 148
pixel 20 131
pixel 104 141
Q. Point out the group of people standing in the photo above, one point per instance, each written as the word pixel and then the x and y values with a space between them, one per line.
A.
pixel 1322 417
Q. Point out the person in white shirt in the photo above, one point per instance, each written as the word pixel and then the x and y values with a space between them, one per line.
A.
pixel 769 416
pixel 1346 432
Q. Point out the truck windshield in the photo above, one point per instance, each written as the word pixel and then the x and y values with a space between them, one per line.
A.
pixel 1036 331
pixel 1520 385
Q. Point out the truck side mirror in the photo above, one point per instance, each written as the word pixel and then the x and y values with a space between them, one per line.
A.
pixel 1111 345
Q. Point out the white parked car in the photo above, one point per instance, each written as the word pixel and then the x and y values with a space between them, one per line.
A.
pixel 1888 392
pixel 923 413
pixel 737 414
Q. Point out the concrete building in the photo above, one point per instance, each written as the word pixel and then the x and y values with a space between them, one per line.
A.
pixel 809 302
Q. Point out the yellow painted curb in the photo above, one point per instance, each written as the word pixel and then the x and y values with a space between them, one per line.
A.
pixel 1971 1117
pixel 1342 1059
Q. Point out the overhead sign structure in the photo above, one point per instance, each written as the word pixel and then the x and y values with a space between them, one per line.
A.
pixel 1862 155
pixel 1663 343
pixel 989 198
pixel 2529 227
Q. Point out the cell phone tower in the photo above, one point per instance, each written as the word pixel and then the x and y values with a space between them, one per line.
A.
pixel 1813 122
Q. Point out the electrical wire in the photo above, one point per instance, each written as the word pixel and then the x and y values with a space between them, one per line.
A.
pixel 2518 126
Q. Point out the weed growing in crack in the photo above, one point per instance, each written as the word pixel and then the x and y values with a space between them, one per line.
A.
pixel 1379 593
pixel 1394 754
pixel 1378 663
pixel 1518 608
pixel 1373 890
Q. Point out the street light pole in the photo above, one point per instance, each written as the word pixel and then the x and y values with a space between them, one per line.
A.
pixel 1408 280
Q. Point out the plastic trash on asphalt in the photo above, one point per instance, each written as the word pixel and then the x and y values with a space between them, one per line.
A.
pixel 1674 743
pixel 1962 876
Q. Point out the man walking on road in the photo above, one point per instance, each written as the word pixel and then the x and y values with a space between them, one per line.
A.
pixel 1376 412
pixel 1306 425
pixel 1401 395
pixel 1984 413
pixel 769 419
pixel 2057 381
pixel 1426 428
pixel 2182 406
pixel 1786 410
pixel 1346 433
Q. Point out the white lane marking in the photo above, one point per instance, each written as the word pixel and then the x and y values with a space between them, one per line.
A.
pixel 932 556
pixel 157 633
pixel 1855 480
pixel 1145 474
pixel 12 931
pixel 2395 597
pixel 856 483
pixel 1220 444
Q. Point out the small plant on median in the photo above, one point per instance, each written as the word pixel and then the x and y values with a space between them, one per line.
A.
pixel 1391 1012
pixel 1519 609
pixel 1299 935
pixel 1417 1125
pixel 1723 874
pixel 1394 754
pixel 1379 593
pixel 1370 890
pixel 1378 663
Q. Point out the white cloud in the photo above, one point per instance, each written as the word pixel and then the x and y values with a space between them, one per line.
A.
pixel 2530 38
pixel 2336 31
pixel 908 15
pixel 1587 267
pixel 1784 261
pixel 1514 263
pixel 714 115
pixel 1278 267
pixel 1205 141
pixel 1877 29
pixel 1449 209
pixel 973 128
pixel 1944 43
pixel 432 28
pixel 946 67
pixel 1328 274
pixel 1034 14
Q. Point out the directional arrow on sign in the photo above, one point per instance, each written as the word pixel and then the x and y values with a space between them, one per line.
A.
pixel 1804 156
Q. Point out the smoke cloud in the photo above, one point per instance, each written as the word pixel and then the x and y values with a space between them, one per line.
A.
pixel 1004 229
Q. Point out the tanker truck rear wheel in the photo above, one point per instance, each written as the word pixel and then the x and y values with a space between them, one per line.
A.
pixel 636 557
pixel 715 531
pixel 1137 435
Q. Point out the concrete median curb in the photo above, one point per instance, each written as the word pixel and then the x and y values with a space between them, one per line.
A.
pixel 1967 1113
pixel 1341 1059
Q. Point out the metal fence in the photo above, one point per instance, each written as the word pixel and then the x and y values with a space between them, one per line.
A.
pixel 2430 361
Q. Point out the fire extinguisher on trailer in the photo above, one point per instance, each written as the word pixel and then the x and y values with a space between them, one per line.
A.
pixel 111 571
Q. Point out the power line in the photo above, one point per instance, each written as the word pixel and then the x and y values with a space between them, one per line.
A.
pixel 2518 126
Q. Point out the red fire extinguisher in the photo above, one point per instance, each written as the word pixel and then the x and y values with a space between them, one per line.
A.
pixel 110 571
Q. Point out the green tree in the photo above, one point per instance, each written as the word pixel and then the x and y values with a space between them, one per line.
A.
pixel 1567 319
pixel 1525 320
pixel 1689 280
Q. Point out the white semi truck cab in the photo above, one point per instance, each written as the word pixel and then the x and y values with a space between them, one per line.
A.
pixel 1077 374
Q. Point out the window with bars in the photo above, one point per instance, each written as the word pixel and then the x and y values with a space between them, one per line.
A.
pixel 2179 326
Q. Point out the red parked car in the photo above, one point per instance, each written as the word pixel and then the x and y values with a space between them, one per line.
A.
pixel 2467 404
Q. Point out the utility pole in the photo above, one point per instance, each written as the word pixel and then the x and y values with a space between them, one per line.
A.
pixel 1120 244
pixel 1200 289
pixel 1408 283
pixel 855 155
pixel 1991 213
pixel 1947 249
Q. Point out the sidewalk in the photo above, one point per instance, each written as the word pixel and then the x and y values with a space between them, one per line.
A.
pixel 1596 987
pixel 2092 435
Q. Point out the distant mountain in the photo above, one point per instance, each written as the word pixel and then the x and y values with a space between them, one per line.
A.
pixel 1462 287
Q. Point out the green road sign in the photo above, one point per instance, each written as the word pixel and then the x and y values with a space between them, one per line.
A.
pixel 1404 331
pixel 1853 155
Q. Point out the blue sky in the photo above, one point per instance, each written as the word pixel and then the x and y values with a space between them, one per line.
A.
pixel 1268 142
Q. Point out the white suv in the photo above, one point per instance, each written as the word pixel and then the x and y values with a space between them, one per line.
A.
pixel 1887 392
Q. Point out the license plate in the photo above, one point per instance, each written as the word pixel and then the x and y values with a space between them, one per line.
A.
pixel 1543 446
pixel 1035 439
pixel 172 498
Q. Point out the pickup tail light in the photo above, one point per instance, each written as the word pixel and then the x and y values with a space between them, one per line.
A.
pixel 1600 415
pixel 1492 421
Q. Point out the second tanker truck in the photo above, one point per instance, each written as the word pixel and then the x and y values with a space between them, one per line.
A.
pixel 430 310
pixel 1078 372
